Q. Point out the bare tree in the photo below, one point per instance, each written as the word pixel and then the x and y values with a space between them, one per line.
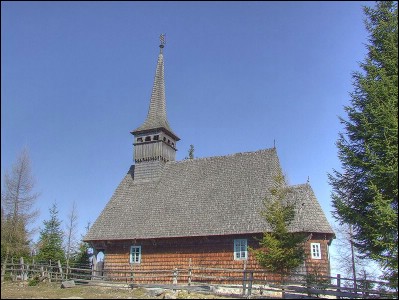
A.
pixel 348 260
pixel 71 242
pixel 17 204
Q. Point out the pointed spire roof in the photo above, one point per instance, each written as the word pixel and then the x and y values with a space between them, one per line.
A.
pixel 156 117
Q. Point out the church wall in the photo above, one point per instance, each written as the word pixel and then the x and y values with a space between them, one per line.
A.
pixel 322 265
pixel 206 252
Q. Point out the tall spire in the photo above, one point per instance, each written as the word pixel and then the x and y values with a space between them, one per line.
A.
pixel 156 116
pixel 154 141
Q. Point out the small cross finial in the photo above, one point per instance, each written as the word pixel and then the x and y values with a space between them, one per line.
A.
pixel 162 41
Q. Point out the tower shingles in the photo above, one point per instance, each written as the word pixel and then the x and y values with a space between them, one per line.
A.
pixel 155 142
pixel 156 116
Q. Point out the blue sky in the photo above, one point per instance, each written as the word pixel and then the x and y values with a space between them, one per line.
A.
pixel 76 78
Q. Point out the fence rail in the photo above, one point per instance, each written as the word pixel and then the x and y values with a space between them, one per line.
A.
pixel 241 282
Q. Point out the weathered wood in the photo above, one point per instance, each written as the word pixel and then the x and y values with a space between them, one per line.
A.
pixel 175 275
pixel 189 273
pixel 255 280
pixel 338 284
pixel 60 269
pixel 210 252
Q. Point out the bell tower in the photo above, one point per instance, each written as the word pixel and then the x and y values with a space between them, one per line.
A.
pixel 154 141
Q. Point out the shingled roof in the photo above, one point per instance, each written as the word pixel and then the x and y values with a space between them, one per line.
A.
pixel 156 117
pixel 200 197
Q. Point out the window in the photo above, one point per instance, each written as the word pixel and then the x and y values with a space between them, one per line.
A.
pixel 156 137
pixel 139 140
pixel 240 249
pixel 135 254
pixel 147 138
pixel 315 250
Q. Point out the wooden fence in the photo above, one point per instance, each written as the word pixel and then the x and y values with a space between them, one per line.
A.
pixel 238 282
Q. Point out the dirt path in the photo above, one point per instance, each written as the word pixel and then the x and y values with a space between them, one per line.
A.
pixel 18 290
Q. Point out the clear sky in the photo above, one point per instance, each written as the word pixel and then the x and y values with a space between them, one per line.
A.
pixel 76 78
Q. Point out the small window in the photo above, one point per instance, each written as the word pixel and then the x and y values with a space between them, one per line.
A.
pixel 240 249
pixel 147 138
pixel 135 254
pixel 164 139
pixel 139 140
pixel 315 250
pixel 156 137
pixel 168 141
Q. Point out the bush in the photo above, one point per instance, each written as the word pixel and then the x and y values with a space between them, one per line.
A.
pixel 34 281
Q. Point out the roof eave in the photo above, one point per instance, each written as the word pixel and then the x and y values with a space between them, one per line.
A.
pixel 140 131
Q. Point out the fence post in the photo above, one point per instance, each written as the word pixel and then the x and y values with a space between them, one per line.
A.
pixel 68 271
pixel 251 278
pixel 189 272
pixel 12 269
pixel 21 263
pixel 27 271
pixel 175 274
pixel 244 278
pixel 4 267
pixel 94 267
pixel 244 282
pixel 60 269
pixel 49 271
pixel 131 273
pixel 33 273
pixel 338 284
pixel 283 285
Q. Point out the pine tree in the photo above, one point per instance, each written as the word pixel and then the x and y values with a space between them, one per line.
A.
pixel 51 239
pixel 190 153
pixel 281 251
pixel 81 258
pixel 365 193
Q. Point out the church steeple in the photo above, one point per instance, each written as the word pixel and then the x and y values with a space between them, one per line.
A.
pixel 154 139
pixel 156 117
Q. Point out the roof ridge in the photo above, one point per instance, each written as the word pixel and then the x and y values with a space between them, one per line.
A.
pixel 223 156
pixel 299 185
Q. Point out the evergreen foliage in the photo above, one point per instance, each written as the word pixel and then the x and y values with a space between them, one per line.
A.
pixel 51 239
pixel 365 193
pixel 281 251
pixel 81 258
pixel 190 152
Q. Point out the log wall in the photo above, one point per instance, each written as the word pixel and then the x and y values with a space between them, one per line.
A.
pixel 181 253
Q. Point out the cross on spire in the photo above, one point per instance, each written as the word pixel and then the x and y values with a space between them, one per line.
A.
pixel 162 41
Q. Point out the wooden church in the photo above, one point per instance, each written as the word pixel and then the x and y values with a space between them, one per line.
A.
pixel 204 212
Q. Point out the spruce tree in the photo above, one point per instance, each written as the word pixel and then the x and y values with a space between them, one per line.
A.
pixel 280 251
pixel 365 193
pixel 190 153
pixel 51 239
pixel 81 258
